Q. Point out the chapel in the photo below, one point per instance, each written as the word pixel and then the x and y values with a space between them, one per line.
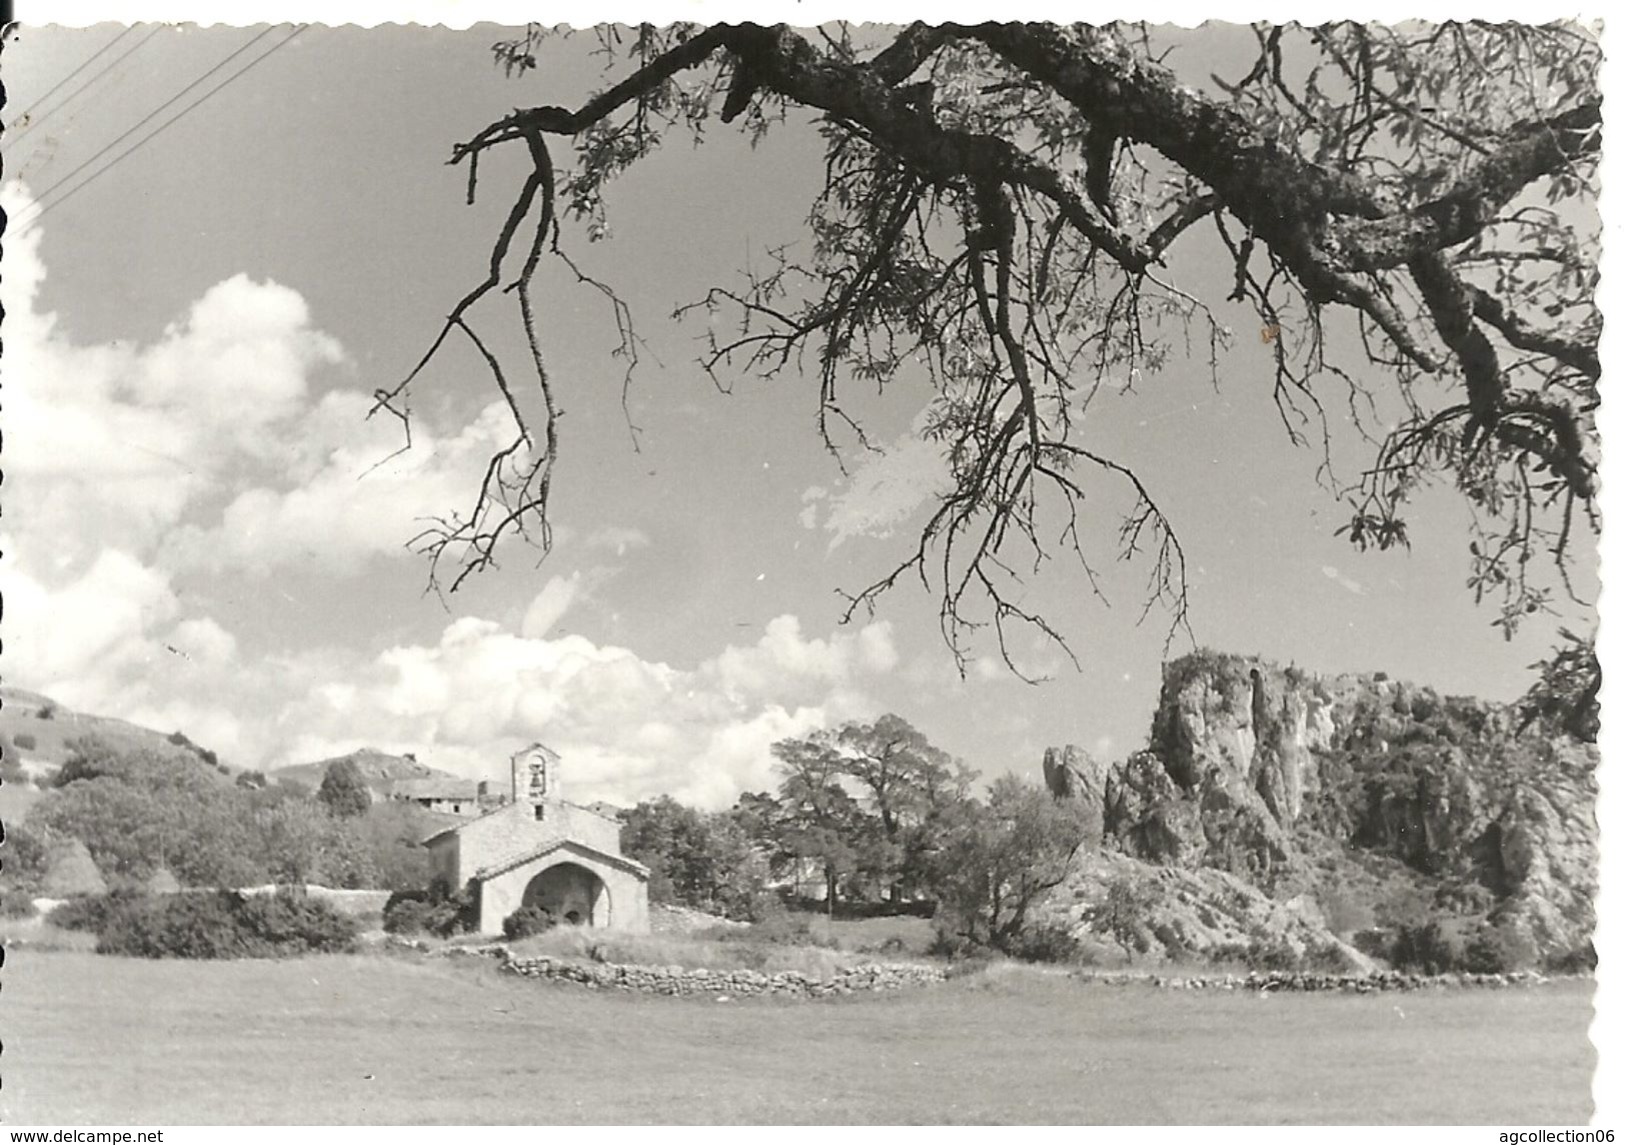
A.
pixel 541 850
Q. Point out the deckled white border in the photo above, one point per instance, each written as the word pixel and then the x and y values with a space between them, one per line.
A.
pixel 1610 1096
pixel 584 13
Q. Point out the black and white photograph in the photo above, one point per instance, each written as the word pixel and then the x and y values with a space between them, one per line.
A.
pixel 676 572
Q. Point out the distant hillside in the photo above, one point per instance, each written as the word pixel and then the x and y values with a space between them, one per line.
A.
pixel 39 730
pixel 380 770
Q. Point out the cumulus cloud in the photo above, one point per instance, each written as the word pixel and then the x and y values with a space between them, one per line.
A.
pixel 627 727
pixel 364 500
pixel 87 628
pixel 228 444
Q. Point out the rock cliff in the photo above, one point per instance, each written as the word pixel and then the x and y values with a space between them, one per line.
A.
pixel 1382 802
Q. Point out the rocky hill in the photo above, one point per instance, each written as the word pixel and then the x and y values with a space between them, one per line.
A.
pixel 380 770
pixel 1352 803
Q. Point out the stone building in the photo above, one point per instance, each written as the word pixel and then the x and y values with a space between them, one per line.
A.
pixel 540 850
pixel 442 796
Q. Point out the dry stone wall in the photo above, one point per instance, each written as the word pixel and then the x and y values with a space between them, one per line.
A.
pixel 679 980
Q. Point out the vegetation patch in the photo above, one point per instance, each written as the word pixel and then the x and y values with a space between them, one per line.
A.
pixel 211 924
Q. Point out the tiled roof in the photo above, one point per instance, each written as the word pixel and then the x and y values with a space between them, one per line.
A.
pixel 622 861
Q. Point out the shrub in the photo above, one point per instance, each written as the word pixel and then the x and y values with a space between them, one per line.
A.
pixel 16 903
pixel 1171 941
pixel 1580 960
pixel 1429 948
pixel 91 912
pixel 526 921
pixel 1499 949
pixel 1045 942
pixel 221 924
pixel 425 912
pixel 1345 911
pixel 46 713
pixel 26 741
pixel 201 924
pixel 291 922
pixel 1272 954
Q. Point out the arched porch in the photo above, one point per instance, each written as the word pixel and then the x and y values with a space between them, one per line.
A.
pixel 572 894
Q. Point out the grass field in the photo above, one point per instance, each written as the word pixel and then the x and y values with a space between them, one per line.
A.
pixel 379 1039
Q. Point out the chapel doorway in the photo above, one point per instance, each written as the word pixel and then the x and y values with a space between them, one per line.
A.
pixel 572 894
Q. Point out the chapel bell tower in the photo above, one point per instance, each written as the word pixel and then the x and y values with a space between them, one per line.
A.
pixel 536 777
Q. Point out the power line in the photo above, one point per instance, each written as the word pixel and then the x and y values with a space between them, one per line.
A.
pixel 168 123
pixel 56 87
pixel 142 122
pixel 30 124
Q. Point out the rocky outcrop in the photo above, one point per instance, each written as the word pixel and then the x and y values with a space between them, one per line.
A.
pixel 1149 912
pixel 1289 781
pixel 1072 772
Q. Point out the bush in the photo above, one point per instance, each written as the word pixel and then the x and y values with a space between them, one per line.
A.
pixel 1346 912
pixel 526 921
pixel 1046 942
pixel 91 912
pixel 46 713
pixel 15 903
pixel 1272 954
pixel 222 924
pixel 1498 950
pixel 1171 941
pixel 425 912
pixel 291 922
pixel 26 741
pixel 1581 960
pixel 197 925
pixel 1429 948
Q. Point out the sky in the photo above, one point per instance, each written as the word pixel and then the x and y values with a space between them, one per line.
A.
pixel 199 535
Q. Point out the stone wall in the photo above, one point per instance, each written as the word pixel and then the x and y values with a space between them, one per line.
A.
pixel 677 980
pixel 1309 981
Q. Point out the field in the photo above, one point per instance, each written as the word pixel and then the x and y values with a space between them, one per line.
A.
pixel 381 1039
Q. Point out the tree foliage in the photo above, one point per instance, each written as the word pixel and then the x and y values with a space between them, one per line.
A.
pixel 344 791
pixel 866 801
pixel 703 860
pixel 140 811
pixel 1000 859
pixel 1564 699
pixel 1409 210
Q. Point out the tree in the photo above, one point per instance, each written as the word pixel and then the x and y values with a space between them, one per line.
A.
pixel 1409 211
pixel 695 859
pixel 1002 858
pixel 344 792
pixel 138 809
pixel 1129 899
pixel 818 818
pixel 909 783
pixel 1564 699
pixel 304 843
